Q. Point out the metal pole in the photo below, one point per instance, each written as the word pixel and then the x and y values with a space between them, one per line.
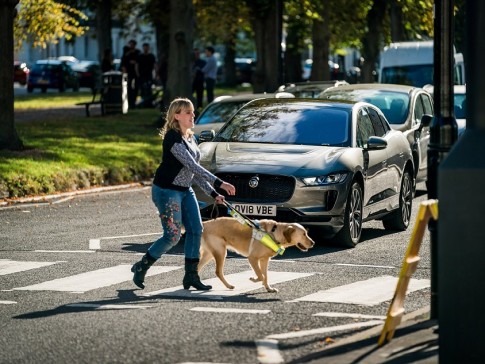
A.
pixel 443 128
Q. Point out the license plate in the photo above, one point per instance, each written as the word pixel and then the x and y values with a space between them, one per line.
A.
pixel 252 209
pixel 42 81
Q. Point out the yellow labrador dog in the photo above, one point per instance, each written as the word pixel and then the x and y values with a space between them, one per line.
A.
pixel 226 233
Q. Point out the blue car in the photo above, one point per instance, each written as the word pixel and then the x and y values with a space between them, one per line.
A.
pixel 55 74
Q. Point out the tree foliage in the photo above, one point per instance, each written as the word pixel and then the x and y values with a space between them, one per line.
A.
pixel 44 22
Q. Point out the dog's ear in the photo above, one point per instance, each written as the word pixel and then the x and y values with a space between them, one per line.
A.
pixel 288 232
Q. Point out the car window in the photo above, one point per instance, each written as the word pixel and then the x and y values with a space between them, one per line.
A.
pixel 460 106
pixel 418 110
pixel 365 129
pixel 377 122
pixel 219 112
pixel 427 104
pixel 289 124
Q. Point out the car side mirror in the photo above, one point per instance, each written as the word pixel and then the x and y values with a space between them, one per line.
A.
pixel 206 136
pixel 376 143
pixel 426 120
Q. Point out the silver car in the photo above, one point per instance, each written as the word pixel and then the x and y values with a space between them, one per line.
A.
pixel 403 106
pixel 328 165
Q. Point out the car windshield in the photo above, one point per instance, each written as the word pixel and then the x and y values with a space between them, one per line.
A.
pixel 289 124
pixel 408 75
pixel 394 105
pixel 219 112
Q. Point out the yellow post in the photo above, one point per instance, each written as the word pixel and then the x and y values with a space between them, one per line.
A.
pixel 427 209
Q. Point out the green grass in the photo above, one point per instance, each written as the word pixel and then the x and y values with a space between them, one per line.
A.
pixel 65 155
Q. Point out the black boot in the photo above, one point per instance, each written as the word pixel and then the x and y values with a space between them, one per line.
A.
pixel 191 278
pixel 140 269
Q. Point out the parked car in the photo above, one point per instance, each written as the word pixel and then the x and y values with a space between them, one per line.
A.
pixel 89 73
pixel 309 89
pixel 52 73
pixel 223 107
pixel 20 72
pixel 327 165
pixel 403 106
pixel 459 99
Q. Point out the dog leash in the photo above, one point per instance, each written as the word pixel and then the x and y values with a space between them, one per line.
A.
pixel 258 233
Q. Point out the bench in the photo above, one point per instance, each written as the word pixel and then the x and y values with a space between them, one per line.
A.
pixel 96 100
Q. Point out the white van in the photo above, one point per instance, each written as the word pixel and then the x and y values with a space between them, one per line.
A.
pixel 411 63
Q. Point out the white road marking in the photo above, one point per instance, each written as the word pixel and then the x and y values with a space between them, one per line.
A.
pixel 228 310
pixel 83 282
pixel 323 330
pixel 366 265
pixel 95 244
pixel 219 291
pixel 350 315
pixel 368 293
pixel 7 302
pixel 64 251
pixel 108 307
pixel 268 352
pixel 8 266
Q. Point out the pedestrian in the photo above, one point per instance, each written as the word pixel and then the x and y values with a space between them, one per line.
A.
pixel 129 65
pixel 147 68
pixel 174 197
pixel 198 79
pixel 107 61
pixel 210 73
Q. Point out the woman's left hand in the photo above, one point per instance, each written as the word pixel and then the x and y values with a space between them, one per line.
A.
pixel 230 189
pixel 220 199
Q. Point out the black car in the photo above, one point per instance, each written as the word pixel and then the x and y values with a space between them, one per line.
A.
pixel 52 74
pixel 89 73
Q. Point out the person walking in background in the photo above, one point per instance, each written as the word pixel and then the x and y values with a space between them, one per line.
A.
pixel 129 65
pixel 147 67
pixel 210 73
pixel 174 197
pixel 107 61
pixel 198 79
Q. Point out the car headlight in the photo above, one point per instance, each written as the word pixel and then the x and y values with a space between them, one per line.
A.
pixel 328 179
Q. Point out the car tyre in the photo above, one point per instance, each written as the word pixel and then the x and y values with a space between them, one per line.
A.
pixel 399 219
pixel 30 89
pixel 349 235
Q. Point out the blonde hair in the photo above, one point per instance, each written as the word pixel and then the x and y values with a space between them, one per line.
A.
pixel 177 106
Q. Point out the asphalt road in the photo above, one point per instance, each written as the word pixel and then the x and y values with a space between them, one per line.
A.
pixel 66 293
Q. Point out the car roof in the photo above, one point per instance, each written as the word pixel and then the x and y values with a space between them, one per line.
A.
pixel 49 61
pixel 343 104
pixel 457 89
pixel 376 86
pixel 249 97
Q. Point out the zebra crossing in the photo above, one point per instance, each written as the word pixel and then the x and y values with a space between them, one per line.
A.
pixel 368 292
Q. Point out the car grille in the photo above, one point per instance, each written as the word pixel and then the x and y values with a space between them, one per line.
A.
pixel 270 188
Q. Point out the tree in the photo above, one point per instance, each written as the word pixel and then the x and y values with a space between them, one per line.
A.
pixel 179 82
pixel 43 22
pixel 9 138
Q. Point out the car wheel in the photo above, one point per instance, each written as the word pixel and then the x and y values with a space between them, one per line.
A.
pixel 44 90
pixel 75 88
pixel 399 219
pixel 62 87
pixel 350 234
pixel 30 89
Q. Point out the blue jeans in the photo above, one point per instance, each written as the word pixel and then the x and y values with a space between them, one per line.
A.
pixel 177 208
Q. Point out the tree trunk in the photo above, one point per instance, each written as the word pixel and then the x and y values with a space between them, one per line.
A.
pixel 179 81
pixel 103 27
pixel 398 33
pixel 230 76
pixel 9 138
pixel 371 44
pixel 266 19
pixel 292 65
pixel 321 45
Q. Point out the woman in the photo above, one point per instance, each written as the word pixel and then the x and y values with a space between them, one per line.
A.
pixel 173 195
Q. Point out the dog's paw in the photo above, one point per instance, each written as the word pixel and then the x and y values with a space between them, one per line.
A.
pixel 271 289
pixel 255 279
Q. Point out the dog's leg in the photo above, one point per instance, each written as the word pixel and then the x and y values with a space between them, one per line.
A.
pixel 205 257
pixel 255 265
pixel 264 268
pixel 220 259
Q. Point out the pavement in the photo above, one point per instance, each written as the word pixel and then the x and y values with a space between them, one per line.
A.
pixel 415 341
